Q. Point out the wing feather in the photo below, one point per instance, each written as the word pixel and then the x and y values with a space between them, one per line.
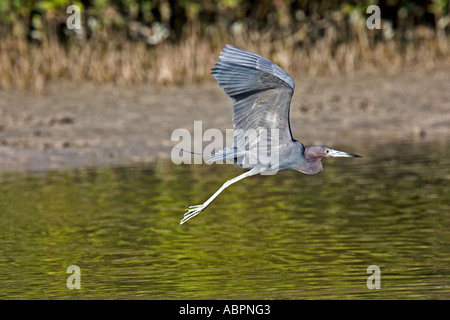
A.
pixel 261 92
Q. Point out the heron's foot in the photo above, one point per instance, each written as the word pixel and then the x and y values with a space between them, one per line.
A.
pixel 191 212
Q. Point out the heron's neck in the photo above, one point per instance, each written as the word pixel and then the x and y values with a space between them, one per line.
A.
pixel 312 163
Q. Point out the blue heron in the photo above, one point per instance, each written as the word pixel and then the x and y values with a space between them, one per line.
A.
pixel 261 93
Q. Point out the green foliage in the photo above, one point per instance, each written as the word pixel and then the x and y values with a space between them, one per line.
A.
pixel 258 14
pixel 439 7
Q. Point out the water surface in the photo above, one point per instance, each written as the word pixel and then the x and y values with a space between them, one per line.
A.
pixel 288 236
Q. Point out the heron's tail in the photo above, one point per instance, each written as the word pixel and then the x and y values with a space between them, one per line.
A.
pixel 225 154
pixel 221 155
pixel 191 152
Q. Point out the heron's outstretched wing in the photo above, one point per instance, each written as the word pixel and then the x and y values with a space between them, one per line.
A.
pixel 261 92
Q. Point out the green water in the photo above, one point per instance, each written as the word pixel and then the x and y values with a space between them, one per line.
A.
pixel 288 236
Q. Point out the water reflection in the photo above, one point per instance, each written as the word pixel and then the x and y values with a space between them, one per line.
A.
pixel 289 236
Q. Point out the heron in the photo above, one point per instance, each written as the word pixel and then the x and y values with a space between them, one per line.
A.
pixel 261 94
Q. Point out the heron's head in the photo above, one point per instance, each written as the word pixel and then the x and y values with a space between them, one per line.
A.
pixel 314 156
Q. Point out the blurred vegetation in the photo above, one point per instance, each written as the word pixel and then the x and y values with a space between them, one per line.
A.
pixel 167 41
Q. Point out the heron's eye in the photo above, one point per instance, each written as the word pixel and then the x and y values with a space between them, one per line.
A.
pixel 327 151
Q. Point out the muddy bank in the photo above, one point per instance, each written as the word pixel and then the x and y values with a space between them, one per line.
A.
pixel 87 124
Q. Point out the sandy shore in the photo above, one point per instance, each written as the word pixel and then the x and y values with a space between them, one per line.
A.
pixel 71 125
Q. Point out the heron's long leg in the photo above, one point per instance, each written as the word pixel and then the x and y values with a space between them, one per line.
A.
pixel 192 211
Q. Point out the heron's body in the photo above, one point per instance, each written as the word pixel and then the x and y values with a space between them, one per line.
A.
pixel 261 93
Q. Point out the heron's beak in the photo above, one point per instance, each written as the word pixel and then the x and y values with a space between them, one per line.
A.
pixel 335 153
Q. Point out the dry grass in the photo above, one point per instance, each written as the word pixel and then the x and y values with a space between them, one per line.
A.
pixel 27 66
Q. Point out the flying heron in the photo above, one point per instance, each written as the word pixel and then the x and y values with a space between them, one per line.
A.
pixel 261 93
